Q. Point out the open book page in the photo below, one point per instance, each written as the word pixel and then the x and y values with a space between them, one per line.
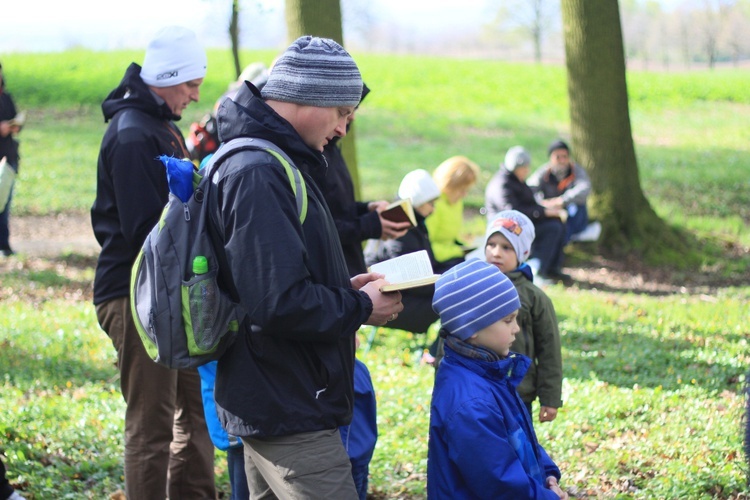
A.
pixel 19 120
pixel 406 271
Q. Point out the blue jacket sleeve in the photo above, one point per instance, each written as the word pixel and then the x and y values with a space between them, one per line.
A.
pixel 219 436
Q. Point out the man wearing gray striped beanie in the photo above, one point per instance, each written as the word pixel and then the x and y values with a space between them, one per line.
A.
pixel 287 386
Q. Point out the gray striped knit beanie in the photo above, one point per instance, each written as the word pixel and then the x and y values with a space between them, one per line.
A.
pixel 315 72
pixel 473 295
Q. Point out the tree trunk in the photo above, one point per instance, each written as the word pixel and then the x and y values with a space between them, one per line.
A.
pixel 601 132
pixel 234 36
pixel 323 18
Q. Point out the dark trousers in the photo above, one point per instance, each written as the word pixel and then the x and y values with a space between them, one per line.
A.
pixel 168 452
pixel 359 474
pixel 6 489
pixel 548 245
pixel 5 224
pixel 576 222
pixel 237 476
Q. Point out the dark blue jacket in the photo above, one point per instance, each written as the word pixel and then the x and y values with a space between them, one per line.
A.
pixel 360 436
pixel 482 442
pixel 293 371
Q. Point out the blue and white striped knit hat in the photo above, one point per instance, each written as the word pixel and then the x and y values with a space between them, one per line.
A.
pixel 315 72
pixel 471 296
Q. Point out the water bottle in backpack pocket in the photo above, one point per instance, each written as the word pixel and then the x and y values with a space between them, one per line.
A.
pixel 202 296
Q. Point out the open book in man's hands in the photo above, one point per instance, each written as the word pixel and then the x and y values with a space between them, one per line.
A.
pixel 406 271
pixel 400 211
pixel 18 121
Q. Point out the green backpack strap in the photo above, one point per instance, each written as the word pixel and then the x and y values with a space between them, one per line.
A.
pixel 298 183
pixel 296 180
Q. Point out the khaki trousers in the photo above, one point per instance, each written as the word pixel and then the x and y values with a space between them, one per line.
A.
pixel 300 466
pixel 168 452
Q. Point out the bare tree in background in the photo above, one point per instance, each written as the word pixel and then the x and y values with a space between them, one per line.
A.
pixel 234 36
pixel 601 131
pixel 533 18
pixel 735 33
pixel 710 21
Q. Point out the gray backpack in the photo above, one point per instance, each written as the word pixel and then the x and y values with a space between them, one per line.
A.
pixel 182 316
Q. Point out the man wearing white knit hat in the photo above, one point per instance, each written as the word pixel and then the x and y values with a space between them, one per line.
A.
pixel 168 452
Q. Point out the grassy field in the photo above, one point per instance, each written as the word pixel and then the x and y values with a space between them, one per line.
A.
pixel 652 389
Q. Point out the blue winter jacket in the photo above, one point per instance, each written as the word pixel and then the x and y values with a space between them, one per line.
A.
pixel 360 436
pixel 482 442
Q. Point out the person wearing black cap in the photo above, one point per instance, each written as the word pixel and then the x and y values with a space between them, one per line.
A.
pixel 564 184
pixel 286 385
pixel 507 190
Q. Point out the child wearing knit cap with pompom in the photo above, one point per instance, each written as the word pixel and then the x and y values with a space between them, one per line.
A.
pixel 482 442
pixel 507 245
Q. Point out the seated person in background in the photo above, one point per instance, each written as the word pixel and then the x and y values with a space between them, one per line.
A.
pixel 455 176
pixel 417 315
pixel 482 442
pixel 507 190
pixel 562 183
pixel 356 221
pixel 507 246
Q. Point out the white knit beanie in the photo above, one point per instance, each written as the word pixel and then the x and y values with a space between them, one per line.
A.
pixel 471 296
pixel 517 228
pixel 419 186
pixel 174 56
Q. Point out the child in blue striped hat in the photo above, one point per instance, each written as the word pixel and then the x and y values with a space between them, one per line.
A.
pixel 482 442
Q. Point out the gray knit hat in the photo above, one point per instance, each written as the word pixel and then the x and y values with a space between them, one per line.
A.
pixel 315 72
pixel 473 295
pixel 516 157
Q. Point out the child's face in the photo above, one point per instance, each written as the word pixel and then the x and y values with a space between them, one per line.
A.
pixel 499 336
pixel 425 209
pixel 522 172
pixel 501 253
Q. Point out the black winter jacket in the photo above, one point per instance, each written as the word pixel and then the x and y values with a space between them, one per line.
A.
pixel 293 371
pixel 354 222
pixel 8 144
pixel 506 192
pixel 418 314
pixel 131 182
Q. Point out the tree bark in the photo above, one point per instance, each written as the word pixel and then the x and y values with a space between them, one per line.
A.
pixel 323 18
pixel 601 132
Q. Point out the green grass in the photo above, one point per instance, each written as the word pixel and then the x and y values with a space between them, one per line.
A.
pixel 652 387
